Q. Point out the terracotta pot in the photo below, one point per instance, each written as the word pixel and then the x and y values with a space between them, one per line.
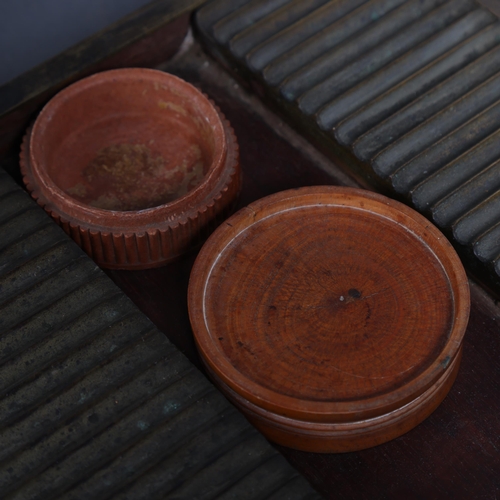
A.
pixel 332 317
pixel 137 165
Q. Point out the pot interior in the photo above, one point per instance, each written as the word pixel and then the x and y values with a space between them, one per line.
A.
pixel 126 142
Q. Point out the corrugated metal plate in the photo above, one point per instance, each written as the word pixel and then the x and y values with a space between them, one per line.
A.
pixel 411 89
pixel 97 403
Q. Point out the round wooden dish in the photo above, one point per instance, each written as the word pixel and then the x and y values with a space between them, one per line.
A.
pixel 137 165
pixel 332 317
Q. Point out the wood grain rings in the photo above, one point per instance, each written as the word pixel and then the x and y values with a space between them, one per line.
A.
pixel 332 317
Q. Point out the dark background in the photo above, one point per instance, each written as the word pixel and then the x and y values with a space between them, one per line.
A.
pixel 32 31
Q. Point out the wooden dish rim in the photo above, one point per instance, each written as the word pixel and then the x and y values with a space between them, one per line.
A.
pixel 353 198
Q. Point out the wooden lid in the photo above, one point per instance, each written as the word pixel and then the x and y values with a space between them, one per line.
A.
pixel 328 304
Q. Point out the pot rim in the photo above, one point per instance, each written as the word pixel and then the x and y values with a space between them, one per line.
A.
pixel 50 195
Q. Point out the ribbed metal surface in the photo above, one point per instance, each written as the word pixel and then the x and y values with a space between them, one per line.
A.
pixel 410 88
pixel 94 401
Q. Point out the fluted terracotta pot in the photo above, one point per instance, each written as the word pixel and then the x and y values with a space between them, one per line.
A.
pixel 137 165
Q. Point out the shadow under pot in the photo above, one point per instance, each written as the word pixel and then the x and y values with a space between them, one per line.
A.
pixel 136 165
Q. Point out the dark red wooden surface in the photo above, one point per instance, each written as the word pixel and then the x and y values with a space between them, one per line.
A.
pixel 455 453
